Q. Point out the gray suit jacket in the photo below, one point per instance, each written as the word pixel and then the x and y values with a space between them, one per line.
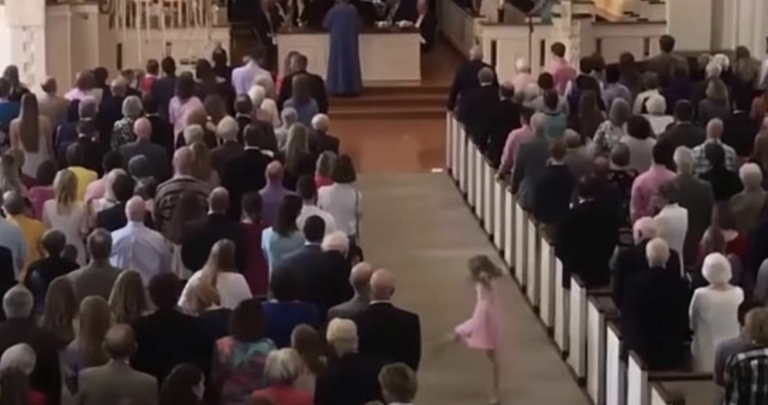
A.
pixel 697 197
pixel 115 382
pixel 349 309
pixel 94 280
pixel 157 156
pixel 530 162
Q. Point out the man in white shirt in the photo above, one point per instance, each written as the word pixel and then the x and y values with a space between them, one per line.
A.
pixel 307 190
pixel 672 220
pixel 244 76
pixel 138 248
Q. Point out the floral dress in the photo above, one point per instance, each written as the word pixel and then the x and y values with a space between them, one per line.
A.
pixel 239 366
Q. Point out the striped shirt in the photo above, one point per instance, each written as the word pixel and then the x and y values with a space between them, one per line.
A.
pixel 746 378
pixel 168 194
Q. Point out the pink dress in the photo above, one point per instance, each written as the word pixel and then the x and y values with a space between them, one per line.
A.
pixel 481 330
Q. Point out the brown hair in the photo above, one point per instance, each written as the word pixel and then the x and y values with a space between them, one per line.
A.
pixel 482 270
pixel 203 296
pixel 756 325
pixel 220 259
pixel 128 300
pixel 201 158
pixel 29 125
pixel 60 310
pixel 311 346
pixel 95 320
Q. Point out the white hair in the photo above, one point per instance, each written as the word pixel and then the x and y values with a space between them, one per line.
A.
pixel 289 116
pixel 321 122
pixel 20 357
pixel 228 128
pixel 342 335
pixel 265 80
pixel 715 128
pixel 722 60
pixel 713 70
pixel 657 252
pixel 132 107
pixel 336 241
pixel 283 367
pixel 644 228
pixel 522 65
pixel 751 175
pixel 656 105
pixel 18 302
pixel 257 94
pixel 717 269
pixel 684 160
pixel 193 133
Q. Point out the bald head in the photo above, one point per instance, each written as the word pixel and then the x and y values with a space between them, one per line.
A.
pixel 382 285
pixel 486 76
pixel 143 129
pixel 135 209
pixel 275 172
pixel 182 161
pixel 219 200
pixel 120 342
pixel 360 278
pixel 715 129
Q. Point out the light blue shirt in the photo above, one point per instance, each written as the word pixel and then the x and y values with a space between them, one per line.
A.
pixel 138 248
pixel 12 238
pixel 243 77
pixel 276 247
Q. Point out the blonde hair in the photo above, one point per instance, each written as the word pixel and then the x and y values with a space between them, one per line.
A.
pixel 717 269
pixel 60 310
pixel 9 175
pixel 95 320
pixel 202 296
pixel 221 258
pixel 296 146
pixel 128 300
pixel 342 335
pixel 201 158
pixel 716 90
pixel 65 190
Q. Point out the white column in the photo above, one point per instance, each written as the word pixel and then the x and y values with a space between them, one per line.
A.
pixel 22 38
pixel 691 29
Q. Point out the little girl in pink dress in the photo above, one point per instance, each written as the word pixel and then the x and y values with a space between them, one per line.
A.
pixel 481 330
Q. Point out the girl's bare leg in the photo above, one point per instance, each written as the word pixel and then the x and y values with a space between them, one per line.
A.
pixel 495 393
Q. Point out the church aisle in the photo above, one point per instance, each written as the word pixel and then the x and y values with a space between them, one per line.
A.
pixel 418 226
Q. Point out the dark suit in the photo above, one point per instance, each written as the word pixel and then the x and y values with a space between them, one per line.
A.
pixel 530 162
pixel 552 193
pixel 654 320
pixel 476 109
pixel 390 333
pixel 305 167
pixel 585 243
pixel 110 111
pixel 46 377
pixel 243 174
pixel 66 135
pixel 352 379
pixel 316 90
pixel 265 24
pixel 323 279
pixel 320 142
pixel 632 260
pixel 428 31
pixel 243 120
pixel 697 197
pixel 504 119
pixel 223 154
pixel 156 154
pixel 113 218
pixel 465 80
pixel 406 11
pixel 166 339
pixel 7 274
pixel 162 134
pixel 94 279
pixel 314 12
pixel 93 153
pixel 682 134
pixel 163 90
pixel 200 235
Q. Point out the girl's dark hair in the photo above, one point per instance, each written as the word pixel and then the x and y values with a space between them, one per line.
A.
pixel 177 387
pixel 289 210
pixel 187 208
pixel 639 127
pixel 251 205
pixel 343 170
pixel 14 387
pixel 247 323
pixel 185 86
pixel 46 172
pixel 284 285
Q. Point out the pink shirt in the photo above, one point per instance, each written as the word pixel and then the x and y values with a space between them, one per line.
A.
pixel 96 189
pixel 38 195
pixel 644 188
pixel 178 113
pixel 514 140
pixel 562 72
pixel 284 395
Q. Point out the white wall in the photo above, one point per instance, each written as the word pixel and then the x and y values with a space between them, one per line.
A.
pixel 22 38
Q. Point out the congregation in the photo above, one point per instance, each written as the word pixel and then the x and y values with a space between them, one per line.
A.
pixel 189 238
pixel 649 179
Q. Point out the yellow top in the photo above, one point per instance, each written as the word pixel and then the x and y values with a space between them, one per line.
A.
pixel 33 231
pixel 84 177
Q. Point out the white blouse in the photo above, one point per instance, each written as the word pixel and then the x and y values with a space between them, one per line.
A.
pixel 344 203
pixel 232 287
pixel 714 319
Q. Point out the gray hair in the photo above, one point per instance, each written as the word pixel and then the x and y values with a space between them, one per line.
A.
pixel 193 133
pixel 342 335
pixel 289 116
pixel 13 203
pixel 522 66
pixel 132 107
pixel 88 108
pixel 265 80
pixel 18 302
pixel 684 160
pixel 119 86
pixel 713 70
pixel 715 128
pixel 337 242
pixel 656 105
pixel 751 176
pixel 644 228
pixel 620 111
pixel 257 94
pixel 657 252
pixel 325 163
pixel 228 129
pixel 538 123
pixel 717 269
pixel 486 75
pixel 283 367
pixel 20 357
pixel 321 122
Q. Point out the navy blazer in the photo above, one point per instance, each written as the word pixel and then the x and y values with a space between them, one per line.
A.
pixel 391 333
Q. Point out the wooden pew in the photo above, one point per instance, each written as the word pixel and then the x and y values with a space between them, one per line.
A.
pixel 547 284
pixel 615 366
pixel 577 352
pixel 489 174
pixel 510 209
pixel 562 311
pixel 532 263
pixel 685 392
pixel 639 380
pixel 600 308
pixel 463 161
pixel 521 240
pixel 500 197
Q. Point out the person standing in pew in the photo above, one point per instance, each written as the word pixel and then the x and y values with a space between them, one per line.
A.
pixel 505 118
pixel 746 375
pixel 587 237
pixel 632 260
pixel 553 190
pixel 476 108
pixel 654 317
pixel 739 344
pixel 466 77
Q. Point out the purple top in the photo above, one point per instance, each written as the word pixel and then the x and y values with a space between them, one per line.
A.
pixel 178 113
pixel 38 195
pixel 271 197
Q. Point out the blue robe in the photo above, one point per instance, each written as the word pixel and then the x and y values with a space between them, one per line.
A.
pixel 344 77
